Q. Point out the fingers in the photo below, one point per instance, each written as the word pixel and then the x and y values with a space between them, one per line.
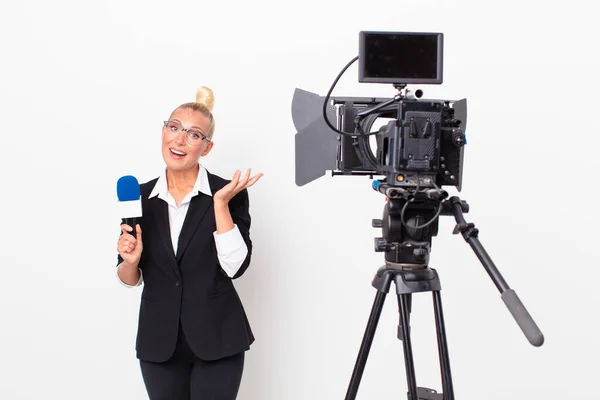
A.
pixel 127 242
pixel 250 181
pixel 138 230
pixel 236 177
pixel 254 179
pixel 246 181
pixel 126 228
pixel 124 249
pixel 243 182
pixel 236 184
pixel 233 183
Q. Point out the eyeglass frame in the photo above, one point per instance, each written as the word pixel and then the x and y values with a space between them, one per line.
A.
pixel 187 131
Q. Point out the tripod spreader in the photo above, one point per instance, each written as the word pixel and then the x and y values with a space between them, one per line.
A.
pixel 509 296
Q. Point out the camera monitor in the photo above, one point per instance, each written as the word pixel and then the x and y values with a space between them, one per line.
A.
pixel 400 57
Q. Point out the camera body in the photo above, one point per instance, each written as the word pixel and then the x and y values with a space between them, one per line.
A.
pixel 421 145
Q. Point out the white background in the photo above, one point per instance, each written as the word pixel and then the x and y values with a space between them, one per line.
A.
pixel 85 86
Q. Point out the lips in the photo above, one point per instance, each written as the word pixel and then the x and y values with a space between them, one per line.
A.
pixel 177 153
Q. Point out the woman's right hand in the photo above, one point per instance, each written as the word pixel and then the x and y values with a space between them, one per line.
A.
pixel 130 248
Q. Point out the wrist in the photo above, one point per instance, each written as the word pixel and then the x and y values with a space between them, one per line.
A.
pixel 129 266
pixel 220 205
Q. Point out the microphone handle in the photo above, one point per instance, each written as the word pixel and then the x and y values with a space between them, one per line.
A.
pixel 132 222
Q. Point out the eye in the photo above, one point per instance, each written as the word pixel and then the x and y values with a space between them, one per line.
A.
pixel 173 127
pixel 195 135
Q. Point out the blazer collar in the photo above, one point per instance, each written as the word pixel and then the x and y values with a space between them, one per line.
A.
pixel 199 206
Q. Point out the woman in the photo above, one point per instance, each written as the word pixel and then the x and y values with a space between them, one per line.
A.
pixel 193 239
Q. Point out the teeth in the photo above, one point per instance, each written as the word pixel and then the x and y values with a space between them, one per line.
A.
pixel 179 153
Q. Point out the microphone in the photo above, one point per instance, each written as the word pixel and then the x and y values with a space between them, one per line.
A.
pixel 130 203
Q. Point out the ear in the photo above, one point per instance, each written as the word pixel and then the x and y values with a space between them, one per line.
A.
pixel 208 149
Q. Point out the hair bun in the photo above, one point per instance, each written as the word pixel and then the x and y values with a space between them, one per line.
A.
pixel 205 96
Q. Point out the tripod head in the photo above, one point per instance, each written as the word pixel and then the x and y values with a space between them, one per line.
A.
pixel 410 221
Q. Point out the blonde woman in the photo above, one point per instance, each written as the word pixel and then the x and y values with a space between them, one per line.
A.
pixel 193 239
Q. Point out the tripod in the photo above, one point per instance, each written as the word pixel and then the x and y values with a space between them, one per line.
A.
pixel 407 243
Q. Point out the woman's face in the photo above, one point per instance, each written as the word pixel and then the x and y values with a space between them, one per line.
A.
pixel 178 153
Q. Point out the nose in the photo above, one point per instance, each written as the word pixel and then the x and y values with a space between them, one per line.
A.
pixel 181 138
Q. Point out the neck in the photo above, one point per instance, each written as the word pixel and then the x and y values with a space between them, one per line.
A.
pixel 182 179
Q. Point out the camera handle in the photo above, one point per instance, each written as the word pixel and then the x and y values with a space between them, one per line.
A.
pixel 509 296
pixel 410 95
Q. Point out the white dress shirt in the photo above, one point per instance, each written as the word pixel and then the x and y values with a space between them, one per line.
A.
pixel 231 248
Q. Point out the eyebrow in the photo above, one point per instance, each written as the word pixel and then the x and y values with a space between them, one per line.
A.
pixel 193 126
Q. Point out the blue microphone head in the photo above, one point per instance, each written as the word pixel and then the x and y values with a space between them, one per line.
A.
pixel 128 188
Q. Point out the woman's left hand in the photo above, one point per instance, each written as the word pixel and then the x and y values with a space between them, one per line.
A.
pixel 236 185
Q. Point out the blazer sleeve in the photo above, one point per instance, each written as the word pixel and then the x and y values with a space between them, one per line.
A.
pixel 239 208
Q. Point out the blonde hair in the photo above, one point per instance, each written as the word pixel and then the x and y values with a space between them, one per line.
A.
pixel 205 100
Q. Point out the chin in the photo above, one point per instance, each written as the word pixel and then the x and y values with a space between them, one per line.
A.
pixel 179 165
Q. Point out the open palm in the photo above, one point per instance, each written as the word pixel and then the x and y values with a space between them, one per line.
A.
pixel 237 184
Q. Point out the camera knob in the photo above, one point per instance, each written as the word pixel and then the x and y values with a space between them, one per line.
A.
pixel 458 138
pixel 377 223
pixel 380 244
pixel 420 253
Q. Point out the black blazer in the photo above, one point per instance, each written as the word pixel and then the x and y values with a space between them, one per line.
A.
pixel 190 287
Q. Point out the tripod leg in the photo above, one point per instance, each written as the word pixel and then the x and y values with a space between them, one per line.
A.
pixel 448 390
pixel 404 304
pixel 409 302
pixel 365 346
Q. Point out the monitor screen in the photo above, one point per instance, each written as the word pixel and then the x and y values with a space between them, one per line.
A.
pixel 399 57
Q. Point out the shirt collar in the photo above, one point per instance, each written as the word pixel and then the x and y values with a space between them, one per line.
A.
pixel 161 188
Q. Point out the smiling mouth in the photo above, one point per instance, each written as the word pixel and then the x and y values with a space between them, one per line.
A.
pixel 177 152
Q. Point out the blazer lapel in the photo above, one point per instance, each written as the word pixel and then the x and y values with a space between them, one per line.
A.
pixel 162 219
pixel 198 208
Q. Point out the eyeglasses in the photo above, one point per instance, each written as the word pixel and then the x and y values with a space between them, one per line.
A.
pixel 193 136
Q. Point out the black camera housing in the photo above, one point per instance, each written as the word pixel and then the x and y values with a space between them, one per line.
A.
pixel 423 142
pixel 421 146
